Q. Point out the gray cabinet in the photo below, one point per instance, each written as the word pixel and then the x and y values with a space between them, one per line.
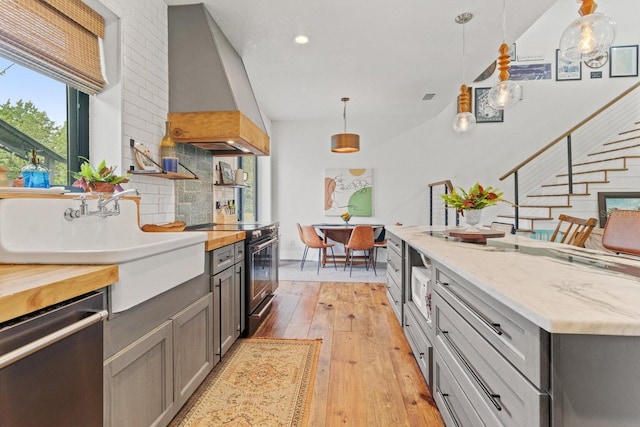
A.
pixel 138 381
pixel 395 273
pixel 228 284
pixel 488 358
pixel 156 355
pixel 193 347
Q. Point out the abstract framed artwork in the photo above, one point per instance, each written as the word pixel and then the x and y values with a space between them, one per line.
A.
pixel 348 190
pixel 484 112
pixel 610 201
pixel 623 61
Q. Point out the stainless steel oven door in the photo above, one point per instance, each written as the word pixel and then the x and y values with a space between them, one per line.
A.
pixel 263 270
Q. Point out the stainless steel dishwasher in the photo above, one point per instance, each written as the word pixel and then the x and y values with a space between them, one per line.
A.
pixel 51 365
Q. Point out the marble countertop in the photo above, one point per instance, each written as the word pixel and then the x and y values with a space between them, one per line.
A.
pixel 560 288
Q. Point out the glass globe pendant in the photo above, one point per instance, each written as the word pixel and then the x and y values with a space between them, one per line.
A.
pixel 506 92
pixel 588 37
pixel 464 121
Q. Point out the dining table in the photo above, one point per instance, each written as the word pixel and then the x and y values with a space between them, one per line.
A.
pixel 340 233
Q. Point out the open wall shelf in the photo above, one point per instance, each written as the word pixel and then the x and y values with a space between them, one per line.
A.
pixel 159 172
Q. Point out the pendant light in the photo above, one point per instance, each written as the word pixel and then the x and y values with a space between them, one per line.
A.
pixel 506 92
pixel 464 121
pixel 589 36
pixel 345 142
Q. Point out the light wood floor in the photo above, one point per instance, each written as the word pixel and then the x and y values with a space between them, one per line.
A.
pixel 366 375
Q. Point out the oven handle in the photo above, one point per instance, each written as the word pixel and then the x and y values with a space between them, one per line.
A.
pixel 265 308
pixel 52 338
pixel 264 245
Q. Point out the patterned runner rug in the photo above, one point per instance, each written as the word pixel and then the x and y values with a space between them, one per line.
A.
pixel 260 382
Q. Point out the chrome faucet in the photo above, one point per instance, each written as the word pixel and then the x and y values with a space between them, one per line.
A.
pixel 70 214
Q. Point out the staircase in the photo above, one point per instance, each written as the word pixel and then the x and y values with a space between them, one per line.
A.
pixel 611 166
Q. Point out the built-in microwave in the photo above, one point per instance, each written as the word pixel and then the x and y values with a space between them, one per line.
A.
pixel 421 289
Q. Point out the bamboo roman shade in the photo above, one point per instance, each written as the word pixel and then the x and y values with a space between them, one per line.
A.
pixel 59 38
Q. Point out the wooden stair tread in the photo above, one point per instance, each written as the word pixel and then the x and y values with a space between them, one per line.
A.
pixel 558 195
pixel 606 160
pixel 594 171
pixel 617 141
pixel 613 149
pixel 575 183
pixel 629 131
pixel 535 218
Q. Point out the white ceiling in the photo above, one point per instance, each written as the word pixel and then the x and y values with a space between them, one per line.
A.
pixel 384 55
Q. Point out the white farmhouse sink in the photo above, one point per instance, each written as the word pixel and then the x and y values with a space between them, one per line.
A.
pixel 34 231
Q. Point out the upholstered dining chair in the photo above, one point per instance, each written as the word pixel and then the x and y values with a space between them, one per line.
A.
pixel 361 239
pixel 570 235
pixel 622 232
pixel 311 240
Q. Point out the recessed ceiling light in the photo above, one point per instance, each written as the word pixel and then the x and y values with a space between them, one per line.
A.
pixel 302 39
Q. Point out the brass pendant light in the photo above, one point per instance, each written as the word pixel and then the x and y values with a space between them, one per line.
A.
pixel 345 142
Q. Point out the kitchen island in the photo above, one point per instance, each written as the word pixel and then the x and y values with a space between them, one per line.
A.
pixel 527 332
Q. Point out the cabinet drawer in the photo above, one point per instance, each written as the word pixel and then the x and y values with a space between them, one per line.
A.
pixel 521 342
pixel 239 251
pixel 497 391
pixel 394 266
pixel 455 408
pixel 223 258
pixel 420 344
pixel 394 243
pixel 395 297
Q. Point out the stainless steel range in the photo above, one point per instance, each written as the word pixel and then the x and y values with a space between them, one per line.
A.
pixel 262 260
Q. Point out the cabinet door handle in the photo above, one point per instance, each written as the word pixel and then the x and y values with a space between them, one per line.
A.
pixel 393 266
pixel 495 327
pixel 491 396
pixel 448 406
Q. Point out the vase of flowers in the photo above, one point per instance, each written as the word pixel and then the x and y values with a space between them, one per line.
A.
pixel 99 179
pixel 346 216
pixel 472 202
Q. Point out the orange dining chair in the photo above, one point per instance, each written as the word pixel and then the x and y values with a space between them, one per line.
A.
pixel 622 232
pixel 570 235
pixel 311 240
pixel 361 239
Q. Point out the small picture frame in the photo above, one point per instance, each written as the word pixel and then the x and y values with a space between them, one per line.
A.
pixel 484 112
pixel 623 61
pixel 226 173
pixel 567 69
pixel 610 201
pixel 512 53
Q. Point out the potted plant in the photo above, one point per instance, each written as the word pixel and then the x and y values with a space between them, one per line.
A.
pixel 472 201
pixel 100 179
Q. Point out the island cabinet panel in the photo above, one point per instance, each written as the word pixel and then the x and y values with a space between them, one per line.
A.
pixel 414 329
pixel 193 339
pixel 395 276
pixel 138 381
pixel 499 393
pixel 522 343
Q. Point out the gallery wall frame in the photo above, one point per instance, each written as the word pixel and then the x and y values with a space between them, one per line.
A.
pixel 608 201
pixel 566 69
pixel 484 112
pixel 623 61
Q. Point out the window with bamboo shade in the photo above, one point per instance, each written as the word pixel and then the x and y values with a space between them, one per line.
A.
pixel 58 38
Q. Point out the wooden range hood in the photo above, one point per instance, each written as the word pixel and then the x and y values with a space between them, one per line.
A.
pixel 225 133
pixel 211 101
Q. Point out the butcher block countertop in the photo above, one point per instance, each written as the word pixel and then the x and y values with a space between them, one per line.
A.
pixel 25 288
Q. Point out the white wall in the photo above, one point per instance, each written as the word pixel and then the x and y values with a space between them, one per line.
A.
pixel 408 154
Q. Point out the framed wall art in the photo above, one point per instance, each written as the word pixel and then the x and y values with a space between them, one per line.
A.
pixel 226 173
pixel 610 201
pixel 484 112
pixel 623 61
pixel 566 69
